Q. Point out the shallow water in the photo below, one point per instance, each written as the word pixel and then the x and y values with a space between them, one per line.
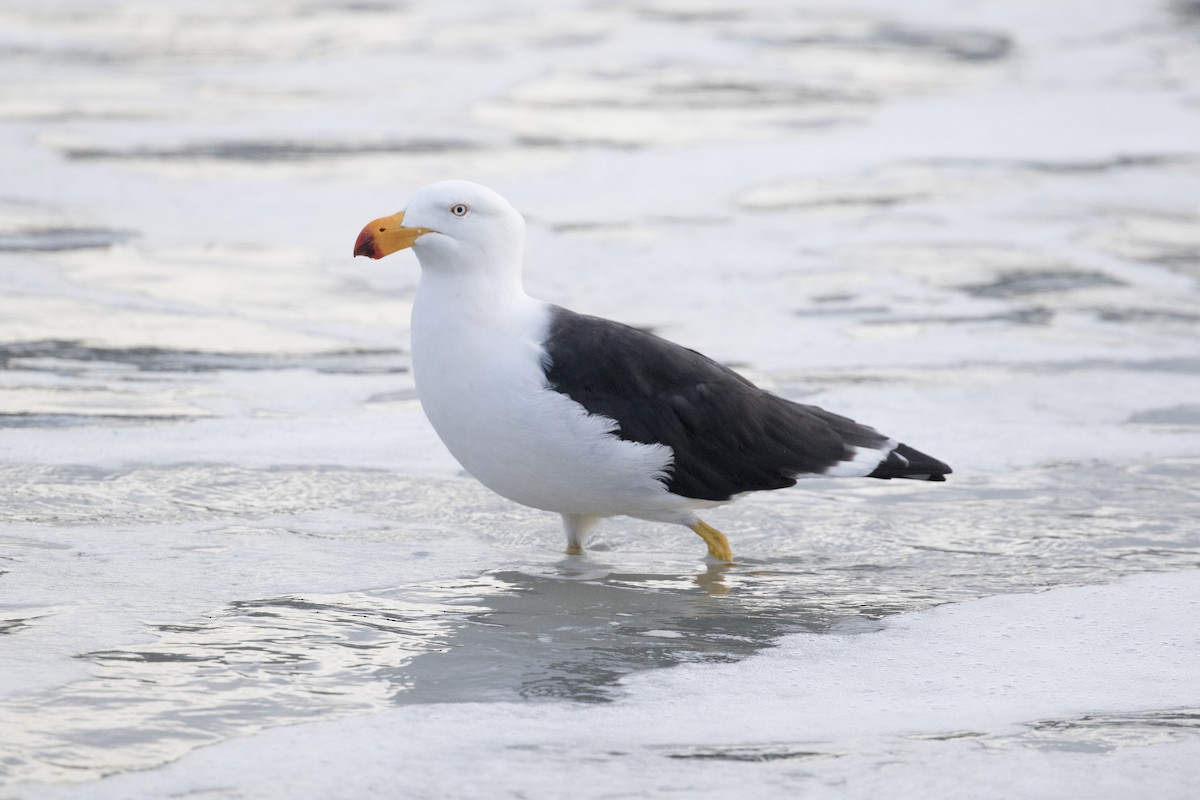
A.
pixel 230 538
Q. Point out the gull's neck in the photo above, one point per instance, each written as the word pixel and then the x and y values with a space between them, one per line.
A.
pixel 452 293
pixel 482 322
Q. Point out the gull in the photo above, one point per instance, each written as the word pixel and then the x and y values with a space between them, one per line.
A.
pixel 587 417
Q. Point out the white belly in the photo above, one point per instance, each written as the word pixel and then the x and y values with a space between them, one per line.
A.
pixel 481 385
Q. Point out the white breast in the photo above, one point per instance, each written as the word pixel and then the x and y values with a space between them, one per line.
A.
pixel 477 365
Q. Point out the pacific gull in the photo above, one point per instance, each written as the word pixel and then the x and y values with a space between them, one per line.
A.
pixel 587 417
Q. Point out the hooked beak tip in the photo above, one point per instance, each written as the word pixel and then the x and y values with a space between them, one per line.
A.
pixel 366 245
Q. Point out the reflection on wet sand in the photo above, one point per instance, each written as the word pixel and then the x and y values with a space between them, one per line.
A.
pixel 569 629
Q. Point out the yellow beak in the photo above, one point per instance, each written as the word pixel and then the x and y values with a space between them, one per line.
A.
pixel 385 236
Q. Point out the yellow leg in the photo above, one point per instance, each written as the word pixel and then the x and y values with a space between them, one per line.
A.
pixel 718 545
pixel 578 527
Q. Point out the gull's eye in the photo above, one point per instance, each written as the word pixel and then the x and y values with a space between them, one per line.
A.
pixel 460 209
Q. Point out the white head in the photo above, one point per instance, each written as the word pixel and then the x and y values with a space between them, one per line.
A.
pixel 453 227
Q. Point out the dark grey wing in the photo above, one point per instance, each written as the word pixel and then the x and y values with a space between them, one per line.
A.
pixel 728 435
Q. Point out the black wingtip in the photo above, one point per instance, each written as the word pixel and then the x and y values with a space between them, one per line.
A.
pixel 905 462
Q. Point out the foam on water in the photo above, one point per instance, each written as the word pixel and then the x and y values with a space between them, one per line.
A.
pixel 979 689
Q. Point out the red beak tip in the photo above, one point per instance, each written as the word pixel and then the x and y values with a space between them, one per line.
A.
pixel 365 246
